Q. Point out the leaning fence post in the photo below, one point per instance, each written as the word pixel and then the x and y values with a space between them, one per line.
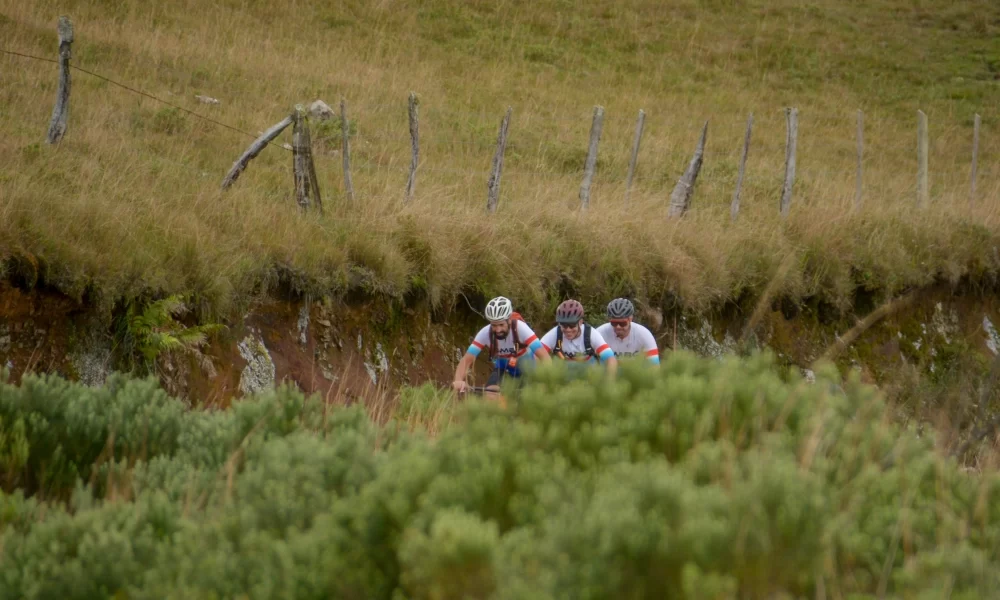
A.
pixel 861 151
pixel 734 209
pixel 57 126
pixel 493 184
pixel 411 182
pixel 792 121
pixel 635 153
pixel 922 192
pixel 306 186
pixel 588 170
pixel 348 186
pixel 258 144
pixel 680 198
pixel 975 159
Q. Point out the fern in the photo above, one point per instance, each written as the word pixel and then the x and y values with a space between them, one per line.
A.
pixel 155 330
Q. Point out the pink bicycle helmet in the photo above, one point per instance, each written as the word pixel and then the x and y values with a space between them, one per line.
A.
pixel 569 311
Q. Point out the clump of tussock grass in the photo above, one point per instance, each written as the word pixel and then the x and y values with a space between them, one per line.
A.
pixel 128 203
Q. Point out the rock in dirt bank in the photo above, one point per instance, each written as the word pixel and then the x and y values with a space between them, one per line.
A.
pixel 258 375
pixel 350 350
pixel 335 349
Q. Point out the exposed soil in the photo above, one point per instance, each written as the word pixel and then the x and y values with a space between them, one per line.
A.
pixel 38 331
pixel 347 350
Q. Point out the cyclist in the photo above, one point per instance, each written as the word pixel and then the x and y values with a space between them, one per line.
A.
pixel 508 338
pixel 625 337
pixel 575 341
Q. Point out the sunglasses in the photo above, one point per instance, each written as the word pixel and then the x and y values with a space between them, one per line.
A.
pixel 569 325
pixel 619 323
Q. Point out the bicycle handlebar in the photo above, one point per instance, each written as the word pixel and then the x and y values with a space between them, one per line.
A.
pixel 478 388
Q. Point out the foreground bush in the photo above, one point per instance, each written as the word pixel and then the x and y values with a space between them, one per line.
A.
pixel 702 479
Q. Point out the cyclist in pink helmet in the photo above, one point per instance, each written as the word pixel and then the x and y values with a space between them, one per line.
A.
pixel 575 341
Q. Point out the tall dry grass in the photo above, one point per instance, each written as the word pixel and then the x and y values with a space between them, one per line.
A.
pixel 129 203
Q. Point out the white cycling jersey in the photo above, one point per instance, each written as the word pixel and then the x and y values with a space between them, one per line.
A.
pixel 639 340
pixel 505 347
pixel 576 349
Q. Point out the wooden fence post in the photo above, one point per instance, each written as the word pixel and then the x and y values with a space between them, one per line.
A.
pixel 306 186
pixel 680 198
pixel 734 209
pixel 57 125
pixel 411 182
pixel 861 151
pixel 258 144
pixel 493 184
pixel 348 186
pixel 792 124
pixel 635 153
pixel 975 159
pixel 922 146
pixel 588 169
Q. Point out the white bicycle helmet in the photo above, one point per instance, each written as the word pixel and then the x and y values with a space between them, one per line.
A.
pixel 499 309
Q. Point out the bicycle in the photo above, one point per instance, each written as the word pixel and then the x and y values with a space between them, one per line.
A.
pixel 486 392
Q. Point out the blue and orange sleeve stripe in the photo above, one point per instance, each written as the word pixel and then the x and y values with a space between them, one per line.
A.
pixel 534 344
pixel 653 355
pixel 475 348
pixel 604 351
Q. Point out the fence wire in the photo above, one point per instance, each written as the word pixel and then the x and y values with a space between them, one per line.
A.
pixel 383 141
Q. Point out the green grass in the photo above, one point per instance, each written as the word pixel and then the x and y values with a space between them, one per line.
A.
pixel 128 204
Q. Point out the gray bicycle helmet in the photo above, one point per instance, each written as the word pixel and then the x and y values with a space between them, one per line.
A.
pixel 620 308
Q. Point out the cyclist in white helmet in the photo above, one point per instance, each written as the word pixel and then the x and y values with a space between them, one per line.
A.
pixel 508 339
pixel 625 337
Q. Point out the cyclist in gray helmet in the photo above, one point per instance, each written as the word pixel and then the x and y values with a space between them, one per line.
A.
pixel 626 337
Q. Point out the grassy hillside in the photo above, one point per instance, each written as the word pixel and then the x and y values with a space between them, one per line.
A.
pixel 129 203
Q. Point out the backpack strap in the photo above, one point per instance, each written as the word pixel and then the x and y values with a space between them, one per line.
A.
pixel 515 318
pixel 557 350
pixel 586 340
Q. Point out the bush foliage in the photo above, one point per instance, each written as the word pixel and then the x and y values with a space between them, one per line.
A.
pixel 700 479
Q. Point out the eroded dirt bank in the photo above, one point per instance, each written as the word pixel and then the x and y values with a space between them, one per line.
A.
pixel 345 350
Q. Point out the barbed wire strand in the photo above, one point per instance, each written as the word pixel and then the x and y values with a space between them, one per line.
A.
pixel 141 93
pixel 581 123
pixel 362 137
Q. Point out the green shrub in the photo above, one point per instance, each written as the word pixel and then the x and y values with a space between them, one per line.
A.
pixel 699 479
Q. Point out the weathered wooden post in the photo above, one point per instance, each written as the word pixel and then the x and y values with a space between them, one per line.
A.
pixel 306 185
pixel 635 153
pixel 734 209
pixel 348 186
pixel 861 151
pixel 411 182
pixel 923 194
pixel 975 159
pixel 680 198
pixel 588 169
pixel 255 148
pixel 792 124
pixel 493 184
pixel 57 125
